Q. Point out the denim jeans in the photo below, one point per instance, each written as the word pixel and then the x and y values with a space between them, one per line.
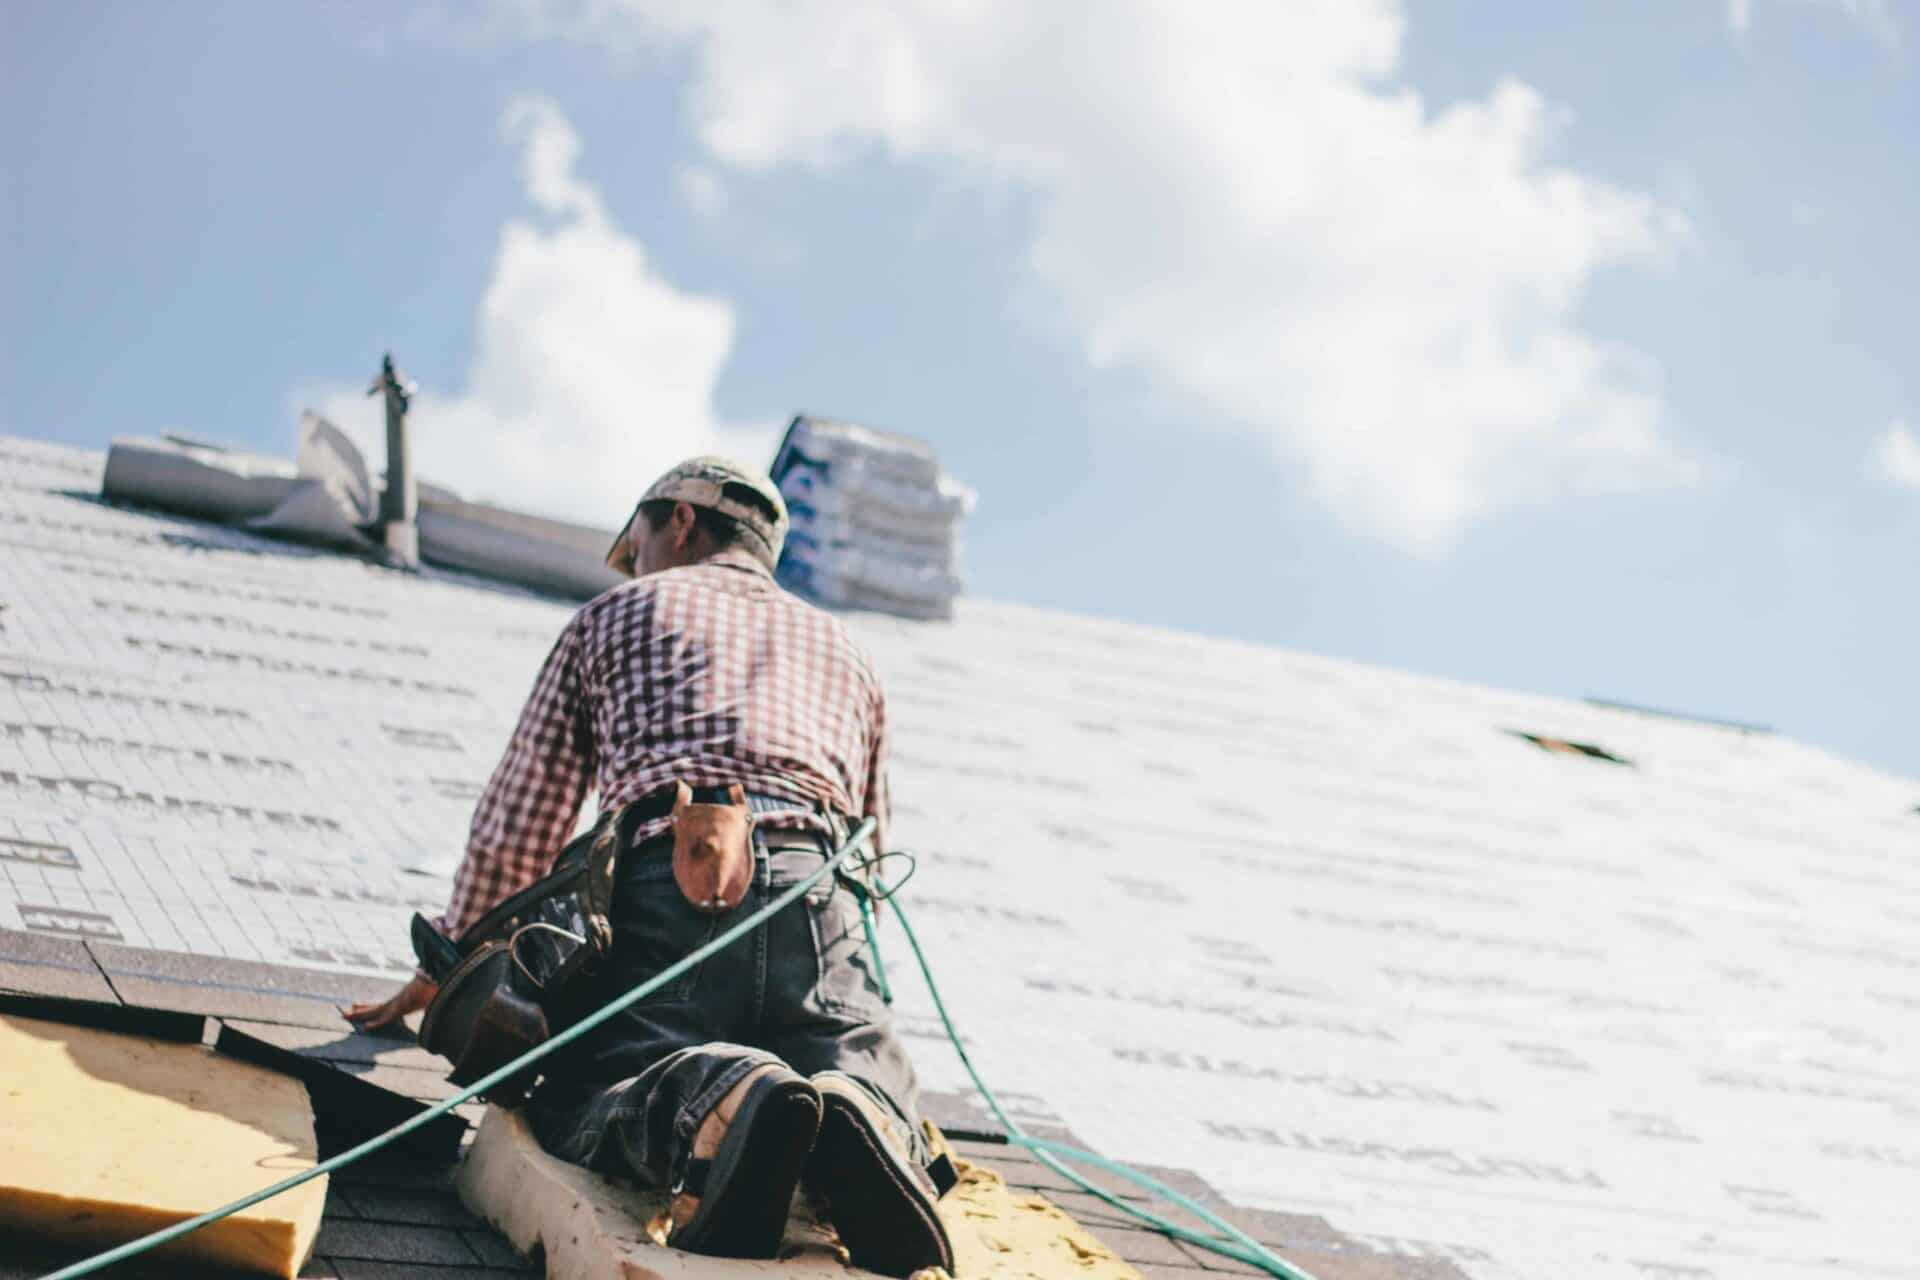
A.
pixel 627 1098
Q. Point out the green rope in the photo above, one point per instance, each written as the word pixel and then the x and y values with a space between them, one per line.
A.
pixel 133 1248
pixel 873 945
pixel 1232 1243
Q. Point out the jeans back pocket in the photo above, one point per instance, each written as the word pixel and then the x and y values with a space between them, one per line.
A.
pixel 847 983
pixel 654 927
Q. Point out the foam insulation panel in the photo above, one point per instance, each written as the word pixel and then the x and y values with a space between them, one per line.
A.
pixel 1001 1234
pixel 106 1137
pixel 591 1227
pixel 1325 934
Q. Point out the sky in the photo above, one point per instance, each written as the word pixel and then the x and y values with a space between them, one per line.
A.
pixel 1561 348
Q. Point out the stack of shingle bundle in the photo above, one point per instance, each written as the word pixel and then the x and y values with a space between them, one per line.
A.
pixel 876 521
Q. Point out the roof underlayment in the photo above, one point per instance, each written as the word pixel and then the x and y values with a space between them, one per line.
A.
pixel 1336 939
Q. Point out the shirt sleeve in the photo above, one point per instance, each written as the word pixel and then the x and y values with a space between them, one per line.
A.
pixel 878 801
pixel 533 800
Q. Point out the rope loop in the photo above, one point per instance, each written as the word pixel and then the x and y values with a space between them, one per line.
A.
pixel 868 866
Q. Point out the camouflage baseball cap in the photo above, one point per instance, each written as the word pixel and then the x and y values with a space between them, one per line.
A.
pixel 704 481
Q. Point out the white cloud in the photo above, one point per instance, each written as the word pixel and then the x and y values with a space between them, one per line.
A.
pixel 1873 18
pixel 1247 203
pixel 591 373
pixel 1895 458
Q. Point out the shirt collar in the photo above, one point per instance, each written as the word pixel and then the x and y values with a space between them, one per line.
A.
pixel 738 558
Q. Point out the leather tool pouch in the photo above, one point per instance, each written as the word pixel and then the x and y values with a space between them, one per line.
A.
pixel 521 968
pixel 483 1018
pixel 712 846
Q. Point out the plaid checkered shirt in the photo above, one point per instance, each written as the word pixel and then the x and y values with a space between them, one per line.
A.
pixel 707 674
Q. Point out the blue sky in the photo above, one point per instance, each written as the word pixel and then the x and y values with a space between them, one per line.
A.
pixel 1565 348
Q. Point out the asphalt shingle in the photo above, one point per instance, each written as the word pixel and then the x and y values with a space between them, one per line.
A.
pixel 51 966
pixel 392 1242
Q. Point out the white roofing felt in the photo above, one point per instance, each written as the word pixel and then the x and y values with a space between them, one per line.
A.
pixel 1321 932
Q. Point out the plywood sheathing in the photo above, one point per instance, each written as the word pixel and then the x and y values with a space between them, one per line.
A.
pixel 590 1226
pixel 106 1137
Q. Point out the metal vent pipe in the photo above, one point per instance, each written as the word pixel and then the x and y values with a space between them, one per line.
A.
pixel 400 500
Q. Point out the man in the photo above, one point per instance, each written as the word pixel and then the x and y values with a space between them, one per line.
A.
pixel 774 1059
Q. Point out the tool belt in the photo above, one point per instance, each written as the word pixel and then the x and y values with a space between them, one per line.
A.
pixel 522 970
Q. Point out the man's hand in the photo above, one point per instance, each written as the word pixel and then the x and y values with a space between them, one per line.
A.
pixel 418 992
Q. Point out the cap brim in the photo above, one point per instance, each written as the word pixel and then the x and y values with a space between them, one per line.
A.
pixel 622 565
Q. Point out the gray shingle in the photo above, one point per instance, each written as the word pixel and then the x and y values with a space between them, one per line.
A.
pixel 342 1239
pixel 493 1249
pixel 50 966
pixel 426 1208
pixel 366 1269
pixel 49 978
pixel 341 1043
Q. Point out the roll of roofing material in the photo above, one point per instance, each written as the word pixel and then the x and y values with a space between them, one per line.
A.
pixel 329 499
pixel 196 479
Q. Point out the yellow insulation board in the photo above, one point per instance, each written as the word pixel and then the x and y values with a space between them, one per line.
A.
pixel 1002 1234
pixel 106 1137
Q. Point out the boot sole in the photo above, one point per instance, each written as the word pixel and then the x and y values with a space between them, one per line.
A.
pixel 750 1184
pixel 884 1217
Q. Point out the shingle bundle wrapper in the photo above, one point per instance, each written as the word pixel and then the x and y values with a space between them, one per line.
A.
pixel 875 519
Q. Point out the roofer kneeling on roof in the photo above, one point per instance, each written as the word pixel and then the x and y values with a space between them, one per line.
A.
pixel 702 699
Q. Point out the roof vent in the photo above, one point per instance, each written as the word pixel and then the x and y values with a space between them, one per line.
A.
pixel 1560 746
pixel 400 500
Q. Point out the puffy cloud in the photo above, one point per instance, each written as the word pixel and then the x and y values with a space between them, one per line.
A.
pixel 1872 18
pixel 591 373
pixel 1247 203
pixel 1895 457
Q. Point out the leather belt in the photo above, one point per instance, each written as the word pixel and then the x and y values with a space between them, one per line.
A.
pixel 658 803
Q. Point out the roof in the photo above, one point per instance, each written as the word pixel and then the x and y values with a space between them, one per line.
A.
pixel 1335 940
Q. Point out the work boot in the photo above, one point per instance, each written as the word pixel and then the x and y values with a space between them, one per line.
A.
pixel 879 1199
pixel 748 1155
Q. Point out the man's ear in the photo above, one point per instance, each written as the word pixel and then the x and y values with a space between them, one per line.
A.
pixel 684 525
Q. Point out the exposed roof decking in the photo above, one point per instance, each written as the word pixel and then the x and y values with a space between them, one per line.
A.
pixel 1320 932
